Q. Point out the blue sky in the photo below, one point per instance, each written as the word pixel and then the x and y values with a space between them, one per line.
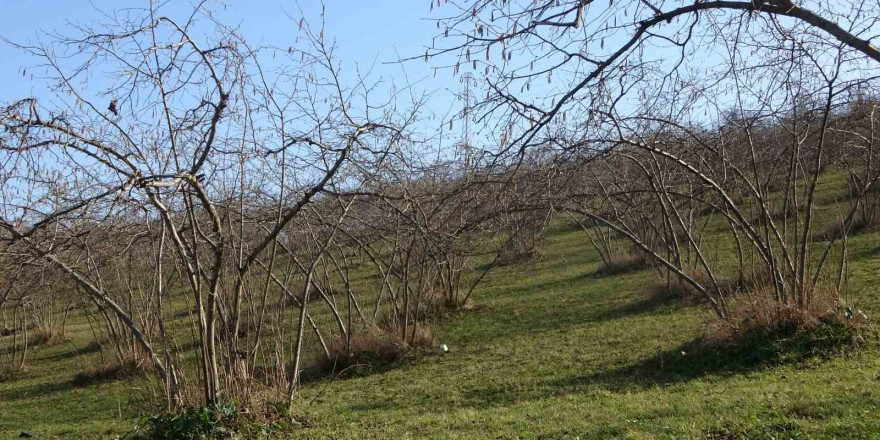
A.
pixel 367 33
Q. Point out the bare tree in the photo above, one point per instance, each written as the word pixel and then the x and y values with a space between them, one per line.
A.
pixel 188 180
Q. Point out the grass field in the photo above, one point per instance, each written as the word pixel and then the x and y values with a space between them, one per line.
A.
pixel 553 350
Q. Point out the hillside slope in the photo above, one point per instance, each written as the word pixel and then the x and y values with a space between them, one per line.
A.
pixel 554 349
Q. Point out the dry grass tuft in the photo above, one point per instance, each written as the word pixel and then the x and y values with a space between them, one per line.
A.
pixel 46 338
pixel 107 373
pixel 761 330
pixel 677 290
pixel 760 310
pixel 763 333
pixel 624 262
pixel 12 374
pixel 514 255
pixel 371 349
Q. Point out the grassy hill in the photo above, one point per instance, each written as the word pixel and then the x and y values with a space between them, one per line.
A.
pixel 554 349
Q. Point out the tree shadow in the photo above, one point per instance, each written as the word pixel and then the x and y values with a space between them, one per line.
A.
pixel 37 390
pixel 749 351
pixel 107 373
pixel 752 350
pixel 660 296
pixel 494 321
pixel 91 347
pixel 860 226
pixel 497 395
pixel 184 313
pixel 331 370
pixel 372 406
pixel 362 365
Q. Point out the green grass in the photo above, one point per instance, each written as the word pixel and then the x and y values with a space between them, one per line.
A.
pixel 554 350
pixel 47 403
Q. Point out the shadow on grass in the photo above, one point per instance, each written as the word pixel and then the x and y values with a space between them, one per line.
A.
pixel 860 226
pixel 108 373
pixel 91 347
pixel 541 304
pixel 765 429
pixel 95 376
pixel 329 370
pixel 342 370
pixel 373 406
pixel 752 350
pixel 37 390
pixel 658 298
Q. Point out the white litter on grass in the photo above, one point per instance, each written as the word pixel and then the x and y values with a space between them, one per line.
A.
pixel 444 348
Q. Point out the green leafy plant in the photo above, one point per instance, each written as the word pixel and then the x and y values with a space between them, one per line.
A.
pixel 208 422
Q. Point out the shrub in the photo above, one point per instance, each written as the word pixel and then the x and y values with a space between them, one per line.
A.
pixel 275 418
pixel 219 421
pixel 208 422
